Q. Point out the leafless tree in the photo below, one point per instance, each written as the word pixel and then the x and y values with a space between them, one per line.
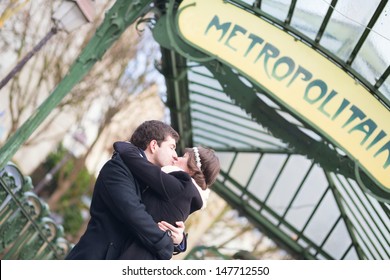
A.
pixel 120 79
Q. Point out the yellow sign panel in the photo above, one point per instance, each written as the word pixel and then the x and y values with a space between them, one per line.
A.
pixel 300 78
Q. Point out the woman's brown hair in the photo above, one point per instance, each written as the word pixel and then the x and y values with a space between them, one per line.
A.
pixel 209 169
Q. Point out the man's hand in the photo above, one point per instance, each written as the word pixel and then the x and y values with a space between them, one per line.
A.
pixel 177 232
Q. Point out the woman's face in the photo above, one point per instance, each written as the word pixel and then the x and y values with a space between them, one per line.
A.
pixel 182 162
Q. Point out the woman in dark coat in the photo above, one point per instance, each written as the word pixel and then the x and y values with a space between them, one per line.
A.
pixel 171 193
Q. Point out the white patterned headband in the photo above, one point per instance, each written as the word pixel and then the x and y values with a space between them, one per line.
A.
pixel 197 157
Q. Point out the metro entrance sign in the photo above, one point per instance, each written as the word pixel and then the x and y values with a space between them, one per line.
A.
pixel 297 76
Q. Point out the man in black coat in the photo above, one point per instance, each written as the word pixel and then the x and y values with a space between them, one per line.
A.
pixel 117 213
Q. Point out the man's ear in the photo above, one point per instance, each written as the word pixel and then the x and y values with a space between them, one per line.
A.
pixel 153 146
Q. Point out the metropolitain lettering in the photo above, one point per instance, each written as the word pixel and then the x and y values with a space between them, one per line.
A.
pixel 286 70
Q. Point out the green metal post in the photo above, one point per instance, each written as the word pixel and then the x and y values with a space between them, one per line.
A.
pixel 122 14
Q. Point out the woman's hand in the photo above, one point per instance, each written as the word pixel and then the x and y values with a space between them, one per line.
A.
pixel 177 232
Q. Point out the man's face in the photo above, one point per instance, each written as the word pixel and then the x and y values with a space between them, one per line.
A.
pixel 166 153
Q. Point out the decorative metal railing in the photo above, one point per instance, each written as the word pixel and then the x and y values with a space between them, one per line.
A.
pixel 26 230
pixel 204 253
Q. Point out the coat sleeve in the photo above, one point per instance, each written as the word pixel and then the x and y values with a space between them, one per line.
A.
pixel 168 186
pixel 121 198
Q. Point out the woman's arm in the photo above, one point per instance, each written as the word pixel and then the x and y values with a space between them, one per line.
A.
pixel 168 186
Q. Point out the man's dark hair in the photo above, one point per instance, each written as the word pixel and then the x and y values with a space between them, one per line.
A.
pixel 152 130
